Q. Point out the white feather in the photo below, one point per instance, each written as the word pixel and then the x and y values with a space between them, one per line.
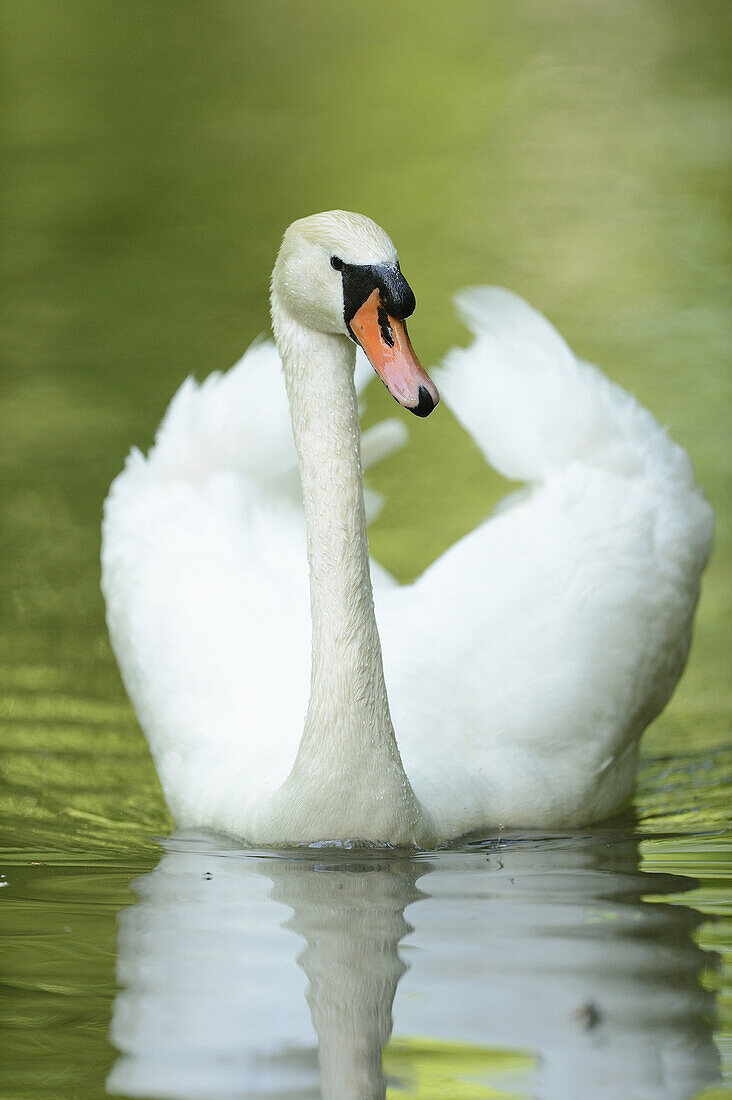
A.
pixel 521 667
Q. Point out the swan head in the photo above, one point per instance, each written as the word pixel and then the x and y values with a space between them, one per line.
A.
pixel 338 273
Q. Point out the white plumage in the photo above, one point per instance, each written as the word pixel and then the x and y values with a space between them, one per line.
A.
pixel 521 667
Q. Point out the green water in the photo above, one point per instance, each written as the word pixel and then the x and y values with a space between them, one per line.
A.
pixel 152 154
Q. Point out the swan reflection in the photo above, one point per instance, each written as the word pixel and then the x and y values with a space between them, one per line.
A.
pixel 534 967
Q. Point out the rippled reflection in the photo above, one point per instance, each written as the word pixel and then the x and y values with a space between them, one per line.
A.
pixel 535 967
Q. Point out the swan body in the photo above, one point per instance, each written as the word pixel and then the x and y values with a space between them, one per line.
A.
pixel 509 684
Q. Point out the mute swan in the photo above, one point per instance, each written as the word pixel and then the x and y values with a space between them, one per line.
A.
pixel 521 667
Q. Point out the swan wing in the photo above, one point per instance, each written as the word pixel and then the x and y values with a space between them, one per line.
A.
pixel 240 421
pixel 204 572
pixel 525 662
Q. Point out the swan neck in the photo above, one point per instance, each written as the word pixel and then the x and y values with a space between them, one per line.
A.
pixel 346 652
pixel 348 775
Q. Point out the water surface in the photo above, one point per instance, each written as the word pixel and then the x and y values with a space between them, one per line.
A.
pixel 152 155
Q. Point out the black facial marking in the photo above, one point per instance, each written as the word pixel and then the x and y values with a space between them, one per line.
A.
pixel 361 280
pixel 386 333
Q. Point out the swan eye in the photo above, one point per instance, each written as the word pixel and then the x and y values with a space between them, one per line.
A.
pixel 336 263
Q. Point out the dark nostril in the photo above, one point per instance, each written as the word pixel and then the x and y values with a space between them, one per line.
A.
pixel 426 404
pixel 387 334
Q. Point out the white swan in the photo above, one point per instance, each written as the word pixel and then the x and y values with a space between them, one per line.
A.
pixel 521 667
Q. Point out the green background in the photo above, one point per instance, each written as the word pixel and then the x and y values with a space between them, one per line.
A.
pixel 151 155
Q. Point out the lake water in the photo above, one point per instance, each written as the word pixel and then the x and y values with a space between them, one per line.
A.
pixel 152 155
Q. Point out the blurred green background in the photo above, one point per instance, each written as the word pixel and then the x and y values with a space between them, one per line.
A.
pixel 151 155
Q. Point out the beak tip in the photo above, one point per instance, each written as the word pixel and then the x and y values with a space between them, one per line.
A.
pixel 426 404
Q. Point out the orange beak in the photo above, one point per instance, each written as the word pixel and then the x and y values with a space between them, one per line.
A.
pixel 385 341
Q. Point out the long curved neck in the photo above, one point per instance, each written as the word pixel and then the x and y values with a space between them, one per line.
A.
pixel 347 781
pixel 346 652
